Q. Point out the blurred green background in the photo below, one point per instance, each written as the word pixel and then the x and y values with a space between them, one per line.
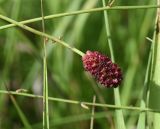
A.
pixel 21 64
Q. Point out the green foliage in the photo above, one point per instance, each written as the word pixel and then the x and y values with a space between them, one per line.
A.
pixel 21 64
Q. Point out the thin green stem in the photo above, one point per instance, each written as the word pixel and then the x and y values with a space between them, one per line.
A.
pixel 142 117
pixel 45 78
pixel 102 100
pixel 79 102
pixel 93 112
pixel 42 34
pixel 107 27
pixel 82 12
pixel 20 112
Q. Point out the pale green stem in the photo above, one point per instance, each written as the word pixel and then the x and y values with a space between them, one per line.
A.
pixel 20 112
pixel 45 79
pixel 82 12
pixel 93 112
pixel 42 34
pixel 79 102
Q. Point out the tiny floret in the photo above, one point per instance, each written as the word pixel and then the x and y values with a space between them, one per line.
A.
pixel 102 68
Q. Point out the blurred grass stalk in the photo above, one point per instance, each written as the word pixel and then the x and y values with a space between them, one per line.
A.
pixel 93 112
pixel 45 77
pixel 19 111
pixel 142 117
pixel 154 118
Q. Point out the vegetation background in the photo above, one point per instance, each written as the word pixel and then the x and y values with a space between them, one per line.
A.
pixel 21 62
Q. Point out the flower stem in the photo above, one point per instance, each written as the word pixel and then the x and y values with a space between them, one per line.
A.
pixel 80 102
pixel 82 12
pixel 42 34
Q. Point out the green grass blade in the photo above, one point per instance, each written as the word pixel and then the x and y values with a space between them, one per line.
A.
pixel 130 72
pixel 119 114
pixel 10 41
pixel 155 81
pixel 142 117
pixel 20 113
pixel 60 76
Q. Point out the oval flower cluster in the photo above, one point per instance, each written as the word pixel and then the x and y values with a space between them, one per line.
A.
pixel 102 68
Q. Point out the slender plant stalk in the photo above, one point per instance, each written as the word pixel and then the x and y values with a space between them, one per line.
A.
pixel 102 100
pixel 45 79
pixel 144 120
pixel 82 12
pixel 119 113
pixel 57 40
pixel 80 102
pixel 20 112
pixel 93 112
pixel 142 117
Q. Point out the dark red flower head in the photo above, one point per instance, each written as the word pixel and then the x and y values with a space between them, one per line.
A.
pixel 102 68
